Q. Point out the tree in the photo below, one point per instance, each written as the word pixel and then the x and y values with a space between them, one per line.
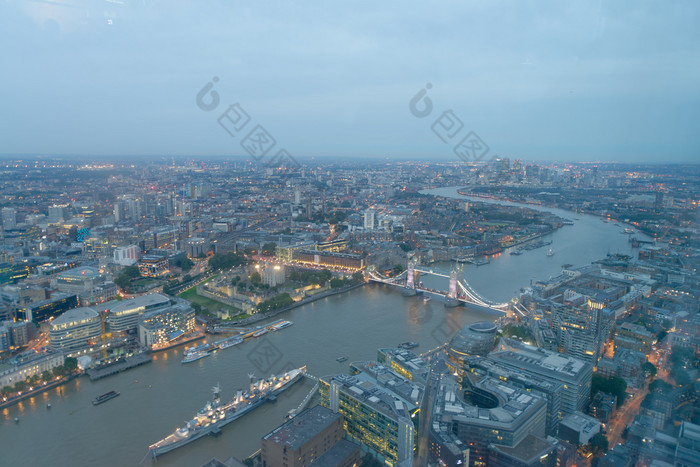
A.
pixel 21 386
pixel 226 260
pixel 599 444
pixel 268 249
pixel 613 385
pixel 186 264
pixel 649 369
pixel 131 272
pixel 358 276
pixel 70 364
pixel 59 371
pixel 46 375
pixel 659 386
pixel 6 390
pixel 398 269
pixel 255 278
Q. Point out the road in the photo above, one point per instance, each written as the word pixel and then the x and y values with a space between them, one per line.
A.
pixel 625 415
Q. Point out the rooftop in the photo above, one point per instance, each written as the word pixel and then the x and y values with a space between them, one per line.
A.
pixel 75 315
pixel 302 428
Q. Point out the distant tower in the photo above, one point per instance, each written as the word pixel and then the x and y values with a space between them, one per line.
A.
pixel 369 219
pixel 9 218
pixel 297 195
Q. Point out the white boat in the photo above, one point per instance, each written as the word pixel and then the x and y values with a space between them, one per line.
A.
pixel 195 355
pixel 550 252
pixel 259 333
pixel 230 342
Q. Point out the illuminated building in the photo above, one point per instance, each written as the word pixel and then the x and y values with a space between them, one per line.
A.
pixel 321 258
pixel 273 275
pixel 74 329
pixel 488 411
pixel 124 316
pixel 127 255
pixel 575 375
pixel 153 266
pixel 157 329
pixel 473 339
pixel 59 303
pixel 379 409
pixel 28 364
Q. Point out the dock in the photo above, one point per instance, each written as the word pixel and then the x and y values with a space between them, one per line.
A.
pixel 127 363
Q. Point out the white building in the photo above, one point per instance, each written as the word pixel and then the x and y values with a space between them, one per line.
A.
pixel 127 255
pixel 74 328
pixel 28 364
pixel 124 316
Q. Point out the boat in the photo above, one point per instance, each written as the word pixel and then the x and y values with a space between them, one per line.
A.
pixel 48 406
pixel 516 253
pixel 230 342
pixel 426 299
pixel 105 397
pixel 341 359
pixel 282 325
pixel 193 355
pixel 408 345
pixel 260 332
pixel 214 415
pixel 550 252
pixel 16 419
pixel 481 262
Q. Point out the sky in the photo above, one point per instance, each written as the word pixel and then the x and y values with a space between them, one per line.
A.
pixel 559 80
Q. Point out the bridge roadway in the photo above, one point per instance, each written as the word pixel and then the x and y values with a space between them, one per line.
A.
pixel 468 294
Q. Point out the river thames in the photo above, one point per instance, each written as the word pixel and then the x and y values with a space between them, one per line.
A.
pixel 158 397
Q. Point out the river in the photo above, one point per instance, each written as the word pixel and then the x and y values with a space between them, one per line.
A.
pixel 158 397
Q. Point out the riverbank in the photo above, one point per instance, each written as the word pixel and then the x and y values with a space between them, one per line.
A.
pixel 271 314
pixel 38 390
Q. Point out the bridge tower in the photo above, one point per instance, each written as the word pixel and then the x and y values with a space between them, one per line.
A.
pixel 410 283
pixel 451 297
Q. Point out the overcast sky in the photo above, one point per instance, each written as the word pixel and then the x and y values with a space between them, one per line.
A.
pixel 538 80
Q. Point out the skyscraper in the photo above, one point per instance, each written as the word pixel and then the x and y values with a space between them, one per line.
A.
pixel 9 219
pixel 369 219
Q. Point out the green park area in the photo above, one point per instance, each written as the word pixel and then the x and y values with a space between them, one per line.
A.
pixel 209 306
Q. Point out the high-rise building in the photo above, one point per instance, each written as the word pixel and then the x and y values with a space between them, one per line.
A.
pixel 57 213
pixel 369 218
pixel 9 218
pixel 378 406
pixel 574 374
pixel 74 329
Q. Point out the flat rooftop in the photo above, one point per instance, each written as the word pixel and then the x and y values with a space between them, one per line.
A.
pixel 303 427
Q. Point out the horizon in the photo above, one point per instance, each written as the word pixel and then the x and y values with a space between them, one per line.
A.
pixel 531 80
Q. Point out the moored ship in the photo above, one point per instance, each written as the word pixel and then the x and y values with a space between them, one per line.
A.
pixel 105 397
pixel 214 415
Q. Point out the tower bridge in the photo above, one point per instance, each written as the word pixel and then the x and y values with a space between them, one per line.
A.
pixel 458 291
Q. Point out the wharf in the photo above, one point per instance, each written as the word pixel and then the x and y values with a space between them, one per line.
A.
pixel 130 362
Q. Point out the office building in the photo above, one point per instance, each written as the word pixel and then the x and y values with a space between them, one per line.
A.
pixel 473 339
pixel 160 328
pixel 308 437
pixel 153 266
pixel 9 218
pixel 487 411
pixel 578 428
pixel 74 329
pixel 196 247
pixel 124 316
pixel 127 255
pixel 378 407
pixel 368 219
pixel 39 311
pixel 27 364
pixel 574 374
